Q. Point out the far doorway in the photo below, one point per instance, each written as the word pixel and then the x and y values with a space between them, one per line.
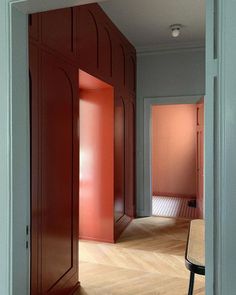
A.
pixel 102 146
pixel 177 160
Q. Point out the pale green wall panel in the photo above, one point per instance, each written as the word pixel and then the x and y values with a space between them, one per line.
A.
pixel 227 147
pixel 20 130
pixel 5 157
pixel 210 169
pixel 14 151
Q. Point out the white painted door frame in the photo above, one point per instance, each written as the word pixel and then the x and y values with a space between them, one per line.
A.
pixel 148 103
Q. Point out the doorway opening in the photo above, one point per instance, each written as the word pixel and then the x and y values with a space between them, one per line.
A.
pixel 96 187
pixel 101 190
pixel 177 160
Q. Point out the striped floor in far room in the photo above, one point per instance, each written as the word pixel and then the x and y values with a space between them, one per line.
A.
pixel 173 207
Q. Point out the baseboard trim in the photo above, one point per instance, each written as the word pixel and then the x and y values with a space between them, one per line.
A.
pixel 142 214
pixel 112 241
pixel 121 225
pixel 76 288
pixel 177 195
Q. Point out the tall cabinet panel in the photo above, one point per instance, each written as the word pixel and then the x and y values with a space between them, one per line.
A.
pixel 57 30
pixel 130 74
pixel 129 158
pixel 87 29
pixel 56 178
pixel 118 65
pixel 35 168
pixel 63 42
pixel 105 51
pixel 119 158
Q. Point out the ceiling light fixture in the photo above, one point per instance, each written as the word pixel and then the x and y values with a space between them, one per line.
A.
pixel 175 30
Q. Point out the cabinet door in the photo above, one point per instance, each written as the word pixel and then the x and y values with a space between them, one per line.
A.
pixel 57 31
pixel 119 158
pixel 34 26
pixel 35 168
pixel 87 39
pixel 130 75
pixel 118 63
pixel 55 214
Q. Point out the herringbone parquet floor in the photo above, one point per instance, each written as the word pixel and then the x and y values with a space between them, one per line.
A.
pixel 147 260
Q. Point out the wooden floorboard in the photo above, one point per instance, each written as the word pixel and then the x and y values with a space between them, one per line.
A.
pixel 147 260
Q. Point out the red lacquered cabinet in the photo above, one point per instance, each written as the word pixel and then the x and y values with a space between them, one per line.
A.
pixel 62 42
pixel 54 206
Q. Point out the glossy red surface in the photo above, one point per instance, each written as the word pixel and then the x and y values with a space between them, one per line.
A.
pixel 62 42
pixel 130 159
pixel 57 30
pixel 119 158
pixel 96 202
pixel 54 175
pixel 88 39
pixel 89 82
pixel 35 164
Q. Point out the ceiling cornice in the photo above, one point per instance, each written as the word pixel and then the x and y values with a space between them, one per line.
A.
pixel 167 47
pixel 34 6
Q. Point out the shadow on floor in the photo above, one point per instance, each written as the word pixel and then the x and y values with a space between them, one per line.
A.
pixel 155 233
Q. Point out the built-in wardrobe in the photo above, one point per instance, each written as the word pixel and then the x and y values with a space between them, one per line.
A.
pixel 65 46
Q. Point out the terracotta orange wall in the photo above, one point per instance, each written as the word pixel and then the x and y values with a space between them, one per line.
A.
pixel 96 216
pixel 174 150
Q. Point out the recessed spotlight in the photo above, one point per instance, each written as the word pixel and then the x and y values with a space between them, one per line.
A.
pixel 175 30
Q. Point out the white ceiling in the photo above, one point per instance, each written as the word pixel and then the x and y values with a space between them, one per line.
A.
pixel 146 22
pixel 33 6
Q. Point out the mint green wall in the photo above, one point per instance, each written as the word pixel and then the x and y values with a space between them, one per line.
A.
pixel 209 146
pixel 5 156
pixel 164 74
pixel 20 143
pixel 14 152
pixel 225 96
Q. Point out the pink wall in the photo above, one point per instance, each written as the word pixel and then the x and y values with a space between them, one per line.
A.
pixel 96 209
pixel 174 150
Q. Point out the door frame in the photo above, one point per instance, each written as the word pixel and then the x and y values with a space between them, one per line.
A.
pixel 15 141
pixel 148 104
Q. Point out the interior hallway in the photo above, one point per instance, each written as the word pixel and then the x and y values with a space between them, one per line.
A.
pixel 148 259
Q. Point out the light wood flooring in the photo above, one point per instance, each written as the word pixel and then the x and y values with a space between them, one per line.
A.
pixel 147 260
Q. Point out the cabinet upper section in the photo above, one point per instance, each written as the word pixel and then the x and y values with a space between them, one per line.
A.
pixel 86 36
